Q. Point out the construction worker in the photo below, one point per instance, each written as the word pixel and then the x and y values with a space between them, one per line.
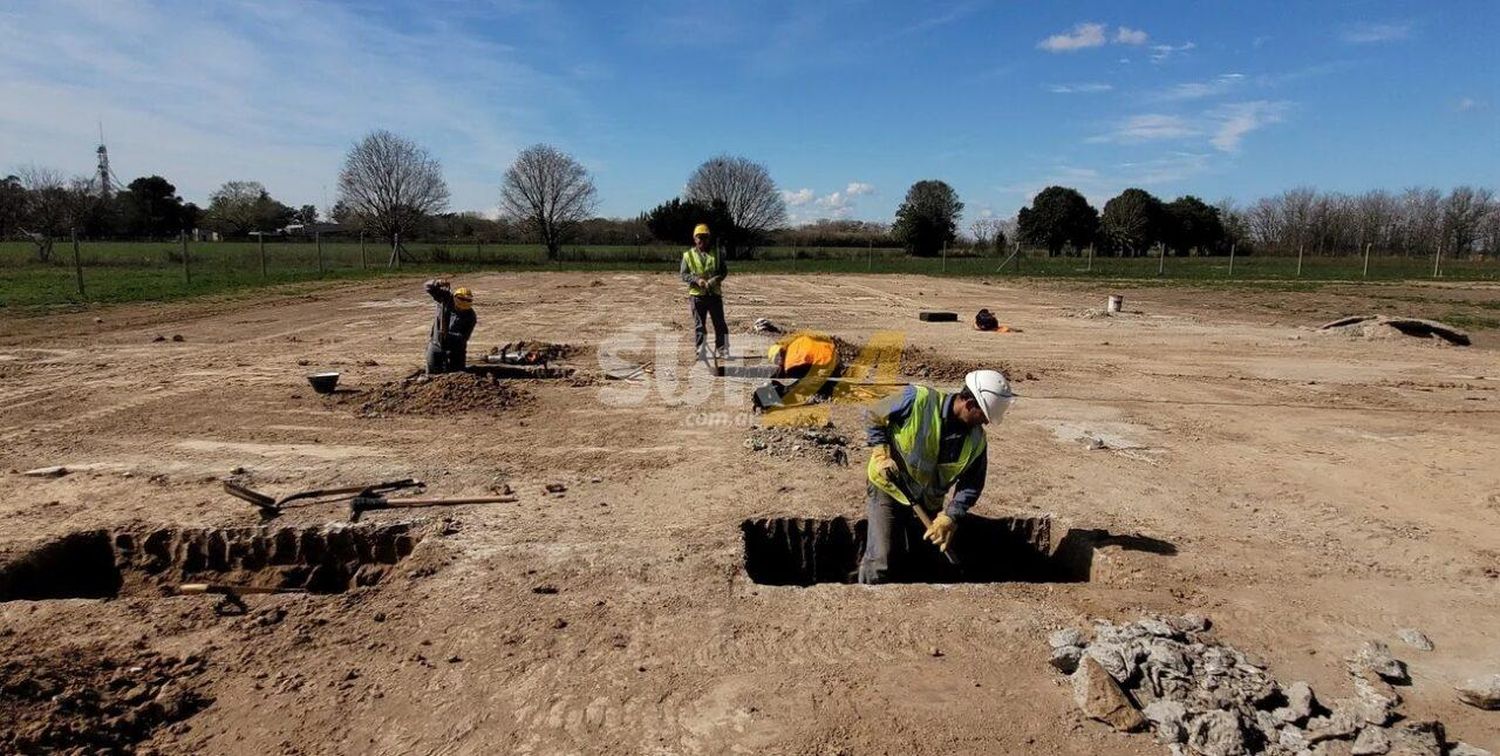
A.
pixel 802 353
pixel 448 347
pixel 703 272
pixel 924 442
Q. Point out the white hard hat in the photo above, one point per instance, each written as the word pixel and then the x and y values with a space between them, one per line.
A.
pixel 992 391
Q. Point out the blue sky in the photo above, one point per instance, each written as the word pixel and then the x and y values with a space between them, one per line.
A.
pixel 846 101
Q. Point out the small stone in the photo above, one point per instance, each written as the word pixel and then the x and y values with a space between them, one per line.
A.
pixel 559 623
pixel 1464 749
pixel 934 652
pixel 1188 623
pixel 1291 738
pixel 454 659
pixel 177 337
pixel 1420 738
pixel 1299 702
pixel 556 488
pixel 1065 659
pixel 1100 697
pixel 1375 700
pixel 1414 638
pixel 1372 741
pixel 1067 636
pixel 379 617
pixel 1338 725
pixel 545 590
pixel 1483 692
pixel 55 471
pixel 159 337
pixel 1157 628
pixel 1216 733
pixel 1376 657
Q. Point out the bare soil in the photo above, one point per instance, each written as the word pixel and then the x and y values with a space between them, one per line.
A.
pixel 1307 493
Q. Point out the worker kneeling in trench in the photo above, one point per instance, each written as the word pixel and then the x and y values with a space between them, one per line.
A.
pixel 924 442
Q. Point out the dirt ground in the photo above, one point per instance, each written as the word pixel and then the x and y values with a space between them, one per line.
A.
pixel 1312 492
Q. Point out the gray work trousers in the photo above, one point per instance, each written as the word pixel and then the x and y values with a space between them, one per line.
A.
pixel 894 548
pixel 709 307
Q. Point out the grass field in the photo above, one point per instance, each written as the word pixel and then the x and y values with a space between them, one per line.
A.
pixel 139 271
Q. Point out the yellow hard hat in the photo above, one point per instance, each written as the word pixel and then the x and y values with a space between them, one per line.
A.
pixel 700 230
pixel 463 298
pixel 773 352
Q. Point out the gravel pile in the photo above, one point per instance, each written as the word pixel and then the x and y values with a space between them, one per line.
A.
pixel 447 394
pixel 1200 696
pixel 824 444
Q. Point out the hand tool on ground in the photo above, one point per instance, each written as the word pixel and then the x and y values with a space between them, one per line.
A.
pixel 271 506
pixel 369 501
pixel 230 602
pixel 899 481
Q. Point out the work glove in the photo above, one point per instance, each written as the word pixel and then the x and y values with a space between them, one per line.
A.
pixel 885 467
pixel 940 532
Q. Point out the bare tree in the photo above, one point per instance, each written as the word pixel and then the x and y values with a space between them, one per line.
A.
pixel 239 207
pixel 1464 210
pixel 391 183
pixel 747 191
pixel 46 210
pixel 549 193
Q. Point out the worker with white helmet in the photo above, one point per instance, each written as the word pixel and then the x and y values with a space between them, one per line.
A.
pixel 448 345
pixel 923 443
pixel 704 271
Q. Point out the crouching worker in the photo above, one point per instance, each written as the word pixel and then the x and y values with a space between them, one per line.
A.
pixel 448 348
pixel 803 354
pixel 923 443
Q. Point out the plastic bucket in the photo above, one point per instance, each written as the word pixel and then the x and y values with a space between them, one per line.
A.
pixel 1115 303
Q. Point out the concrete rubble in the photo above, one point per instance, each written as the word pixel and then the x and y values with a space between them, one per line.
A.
pixel 1201 697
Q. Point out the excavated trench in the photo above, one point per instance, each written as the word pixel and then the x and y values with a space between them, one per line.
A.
pixel 803 552
pixel 153 561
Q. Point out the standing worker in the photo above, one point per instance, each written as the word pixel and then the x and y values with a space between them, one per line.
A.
pixel 703 272
pixel 922 444
pixel 448 348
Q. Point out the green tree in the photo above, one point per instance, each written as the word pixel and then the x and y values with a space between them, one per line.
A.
pixel 1132 222
pixel 673 221
pixel 927 218
pixel 239 207
pixel 1193 224
pixel 150 207
pixel 1058 216
pixel 306 215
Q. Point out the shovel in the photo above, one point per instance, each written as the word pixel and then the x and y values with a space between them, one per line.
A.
pixel 899 481
pixel 370 501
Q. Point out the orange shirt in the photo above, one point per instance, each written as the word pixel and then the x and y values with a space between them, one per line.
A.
pixel 803 349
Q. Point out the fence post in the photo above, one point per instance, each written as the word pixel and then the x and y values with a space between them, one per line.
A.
pixel 260 247
pixel 1366 273
pixel 1231 258
pixel 1017 255
pixel 318 242
pixel 77 264
pixel 363 263
pixel 870 257
pixel 1161 259
pixel 187 270
pixel 1089 266
pixel 945 255
pixel 1299 260
pixel 395 261
pixel 1437 262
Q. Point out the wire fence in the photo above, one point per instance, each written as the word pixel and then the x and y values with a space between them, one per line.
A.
pixel 115 271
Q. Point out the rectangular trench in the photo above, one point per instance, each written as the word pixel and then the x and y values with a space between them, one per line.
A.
pixel 805 551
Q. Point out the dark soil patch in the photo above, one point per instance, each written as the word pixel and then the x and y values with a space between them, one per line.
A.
pixel 824 444
pixel 540 352
pixel 448 394
pixel 930 364
pixel 93 699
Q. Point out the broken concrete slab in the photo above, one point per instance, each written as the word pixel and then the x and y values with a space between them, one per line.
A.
pixel 1217 733
pixel 1376 657
pixel 1414 638
pixel 55 471
pixel 1372 741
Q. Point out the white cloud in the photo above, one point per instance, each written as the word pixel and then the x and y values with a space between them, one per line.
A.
pixel 856 188
pixel 1193 90
pixel 1369 33
pixel 1091 87
pixel 798 198
pixel 1239 119
pixel 1147 127
pixel 1090 34
pixel 1099 185
pixel 1160 53
pixel 1467 104
pixel 1083 36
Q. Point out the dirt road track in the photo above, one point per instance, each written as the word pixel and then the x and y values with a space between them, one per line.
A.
pixel 1318 492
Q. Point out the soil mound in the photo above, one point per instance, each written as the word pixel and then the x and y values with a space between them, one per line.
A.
pixel 448 394
pixel 1385 327
pixel 824 444
pixel 92 699
pixel 930 364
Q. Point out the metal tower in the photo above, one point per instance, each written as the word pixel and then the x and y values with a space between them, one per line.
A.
pixel 105 177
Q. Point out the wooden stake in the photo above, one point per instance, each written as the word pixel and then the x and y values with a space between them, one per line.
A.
pixel 1437 262
pixel 187 270
pixel 318 242
pixel 1231 258
pixel 363 262
pixel 1161 259
pixel 1089 266
pixel 1299 260
pixel 1366 274
pixel 77 264
pixel 260 244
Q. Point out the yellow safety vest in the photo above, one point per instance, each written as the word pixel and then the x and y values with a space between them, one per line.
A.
pixel 918 440
pixel 703 265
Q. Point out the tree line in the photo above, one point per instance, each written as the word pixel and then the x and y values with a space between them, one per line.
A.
pixel 392 188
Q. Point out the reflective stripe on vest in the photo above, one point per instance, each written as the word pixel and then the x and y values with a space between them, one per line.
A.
pixel 918 440
pixel 703 265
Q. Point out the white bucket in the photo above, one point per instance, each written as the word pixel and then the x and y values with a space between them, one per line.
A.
pixel 1115 303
